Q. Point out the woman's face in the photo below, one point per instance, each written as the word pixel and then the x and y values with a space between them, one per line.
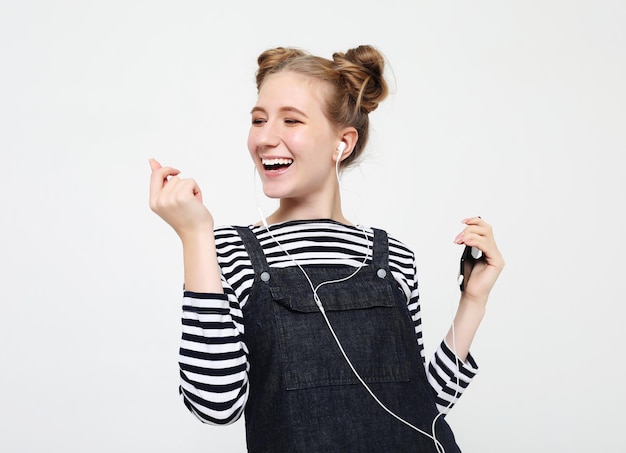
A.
pixel 291 141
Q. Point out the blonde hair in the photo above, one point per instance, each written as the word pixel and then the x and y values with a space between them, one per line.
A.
pixel 355 80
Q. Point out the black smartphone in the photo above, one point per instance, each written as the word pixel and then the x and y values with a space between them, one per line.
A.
pixel 468 259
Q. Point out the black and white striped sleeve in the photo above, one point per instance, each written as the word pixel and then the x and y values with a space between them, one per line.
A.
pixel 213 357
pixel 447 375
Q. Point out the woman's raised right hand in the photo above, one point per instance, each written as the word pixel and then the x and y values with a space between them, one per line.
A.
pixel 178 201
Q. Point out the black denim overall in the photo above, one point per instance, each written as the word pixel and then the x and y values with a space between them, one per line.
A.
pixel 303 395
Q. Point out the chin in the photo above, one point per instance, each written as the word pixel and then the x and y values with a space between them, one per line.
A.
pixel 277 190
pixel 272 196
pixel 274 193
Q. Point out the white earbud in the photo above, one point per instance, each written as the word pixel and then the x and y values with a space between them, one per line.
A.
pixel 341 148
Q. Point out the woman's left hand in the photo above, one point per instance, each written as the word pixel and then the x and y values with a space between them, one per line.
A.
pixel 478 233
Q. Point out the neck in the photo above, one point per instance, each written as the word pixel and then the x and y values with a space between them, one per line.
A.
pixel 297 209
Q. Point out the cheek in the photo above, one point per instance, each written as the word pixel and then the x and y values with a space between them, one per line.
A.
pixel 298 142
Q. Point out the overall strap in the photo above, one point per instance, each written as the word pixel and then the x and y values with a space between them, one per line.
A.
pixel 257 257
pixel 380 258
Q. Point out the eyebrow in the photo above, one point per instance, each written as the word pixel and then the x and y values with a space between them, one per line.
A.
pixel 282 109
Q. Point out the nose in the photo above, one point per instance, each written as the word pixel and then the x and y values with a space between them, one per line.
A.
pixel 265 135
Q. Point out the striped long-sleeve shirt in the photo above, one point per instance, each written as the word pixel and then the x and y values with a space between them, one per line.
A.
pixel 213 354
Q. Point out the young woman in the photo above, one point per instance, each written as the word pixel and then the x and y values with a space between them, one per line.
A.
pixel 308 324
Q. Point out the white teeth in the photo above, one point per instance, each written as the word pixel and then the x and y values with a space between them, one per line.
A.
pixel 276 161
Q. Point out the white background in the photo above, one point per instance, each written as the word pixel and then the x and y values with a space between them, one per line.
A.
pixel 513 110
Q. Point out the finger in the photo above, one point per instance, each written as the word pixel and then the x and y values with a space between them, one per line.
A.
pixel 477 220
pixel 475 235
pixel 154 164
pixel 471 238
pixel 197 193
pixel 158 179
pixel 475 225
pixel 186 188
pixel 467 232
pixel 487 245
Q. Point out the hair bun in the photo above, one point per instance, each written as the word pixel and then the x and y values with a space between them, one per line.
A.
pixel 362 70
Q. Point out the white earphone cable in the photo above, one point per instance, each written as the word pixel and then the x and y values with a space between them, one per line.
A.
pixel 318 302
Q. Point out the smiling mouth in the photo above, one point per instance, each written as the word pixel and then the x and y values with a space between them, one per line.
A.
pixel 276 164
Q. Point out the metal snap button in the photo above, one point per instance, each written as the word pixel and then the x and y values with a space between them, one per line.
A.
pixel 265 276
pixel 382 273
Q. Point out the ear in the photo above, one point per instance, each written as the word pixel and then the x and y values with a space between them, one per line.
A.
pixel 348 136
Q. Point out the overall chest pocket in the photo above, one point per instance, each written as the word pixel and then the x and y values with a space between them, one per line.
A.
pixel 363 313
